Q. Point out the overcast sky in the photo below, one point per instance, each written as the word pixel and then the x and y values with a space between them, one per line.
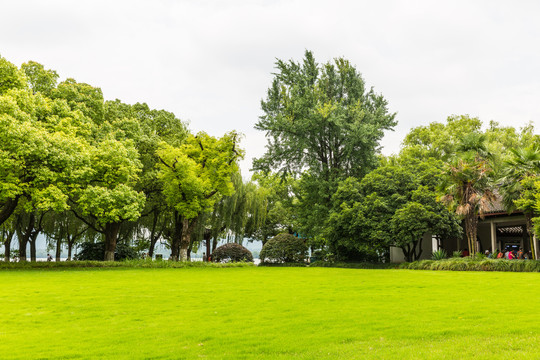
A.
pixel 210 62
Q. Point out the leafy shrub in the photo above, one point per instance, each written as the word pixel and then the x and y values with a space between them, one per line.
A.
pixel 439 254
pixel 96 252
pixel 232 252
pixel 284 248
pixel 355 265
pixel 469 264
pixel 456 254
pixel 287 264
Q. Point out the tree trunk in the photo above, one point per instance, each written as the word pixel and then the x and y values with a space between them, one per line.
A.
pixel 23 241
pixel 70 248
pixel 58 249
pixel 529 224
pixel 471 225
pixel 154 234
pixel 111 235
pixel 7 246
pixel 187 229
pixel 214 244
pixel 24 236
pixel 176 237
pixel 7 251
pixel 33 248
pixel 151 248
pixel 420 250
pixel 207 236
pixel 7 208
pixel 407 252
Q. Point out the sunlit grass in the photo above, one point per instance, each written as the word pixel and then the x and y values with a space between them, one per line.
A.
pixel 273 313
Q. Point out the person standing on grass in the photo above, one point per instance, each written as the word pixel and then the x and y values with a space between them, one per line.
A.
pixel 49 257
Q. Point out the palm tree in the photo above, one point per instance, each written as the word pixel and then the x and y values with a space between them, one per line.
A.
pixel 467 185
pixel 517 180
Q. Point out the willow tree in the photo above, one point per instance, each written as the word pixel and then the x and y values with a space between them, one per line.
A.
pixel 279 212
pixel 195 175
pixel 63 229
pixel 240 214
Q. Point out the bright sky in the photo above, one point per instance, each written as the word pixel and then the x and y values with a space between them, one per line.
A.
pixel 210 62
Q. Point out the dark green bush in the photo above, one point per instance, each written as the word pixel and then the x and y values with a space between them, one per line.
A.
pixel 284 248
pixel 232 252
pixel 96 252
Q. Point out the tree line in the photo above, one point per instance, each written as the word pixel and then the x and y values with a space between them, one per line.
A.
pixel 76 167
pixel 324 126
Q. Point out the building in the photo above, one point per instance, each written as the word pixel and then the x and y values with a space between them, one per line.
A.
pixel 498 230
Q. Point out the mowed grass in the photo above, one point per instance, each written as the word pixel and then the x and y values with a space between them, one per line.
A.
pixel 268 313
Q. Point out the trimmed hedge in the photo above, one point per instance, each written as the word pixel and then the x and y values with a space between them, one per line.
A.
pixel 232 252
pixel 468 264
pixel 353 265
pixel 284 248
pixel 288 264
pixel 148 263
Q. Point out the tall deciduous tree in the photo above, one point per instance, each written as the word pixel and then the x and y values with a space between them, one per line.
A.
pixel 104 197
pixel 39 147
pixel 195 175
pixel 321 121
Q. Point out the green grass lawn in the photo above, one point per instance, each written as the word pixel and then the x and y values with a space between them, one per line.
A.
pixel 268 313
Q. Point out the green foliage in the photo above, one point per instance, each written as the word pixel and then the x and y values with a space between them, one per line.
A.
pixel 467 184
pixel 394 205
pixel 39 154
pixel 10 77
pixel 232 252
pixel 242 213
pixel 354 265
pixel 439 254
pixel 284 248
pixel 83 97
pixel 94 252
pixel 196 174
pixel 442 141
pixel 40 79
pixel 279 209
pixel 324 124
pixel 474 264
